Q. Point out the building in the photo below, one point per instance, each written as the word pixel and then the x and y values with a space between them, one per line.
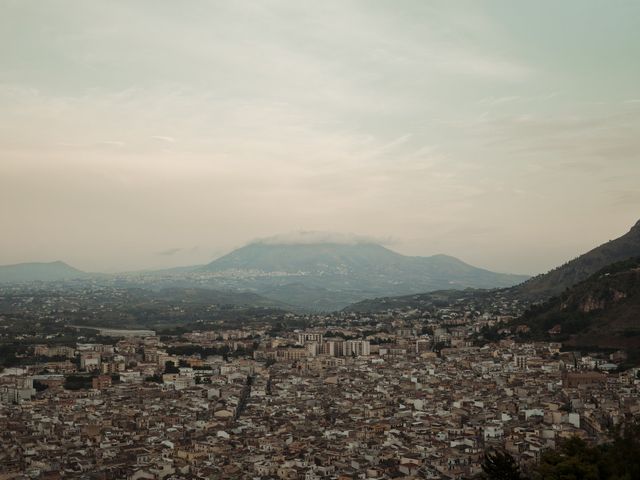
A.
pixel 305 337
pixel 357 347
pixel 333 348
pixel 17 392
pixel 520 361
pixel 101 382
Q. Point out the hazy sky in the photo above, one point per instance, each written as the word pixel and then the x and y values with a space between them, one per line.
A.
pixel 137 134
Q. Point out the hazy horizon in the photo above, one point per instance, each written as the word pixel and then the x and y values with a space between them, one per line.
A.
pixel 156 134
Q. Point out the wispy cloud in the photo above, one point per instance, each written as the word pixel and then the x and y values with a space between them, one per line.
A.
pixel 626 198
pixel 492 101
pixel 164 139
pixel 111 143
pixel 170 251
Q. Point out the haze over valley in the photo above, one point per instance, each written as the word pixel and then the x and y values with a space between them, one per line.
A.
pixel 315 276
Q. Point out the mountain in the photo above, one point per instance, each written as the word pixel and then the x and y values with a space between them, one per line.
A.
pixel 45 272
pixel 602 311
pixel 578 269
pixel 328 276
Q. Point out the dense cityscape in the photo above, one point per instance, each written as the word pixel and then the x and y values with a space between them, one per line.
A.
pixel 414 393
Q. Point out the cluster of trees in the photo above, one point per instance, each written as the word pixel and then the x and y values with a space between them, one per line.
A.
pixel 170 367
pixel 338 334
pixel 154 378
pixel 283 325
pixel 15 354
pixel 10 354
pixel 489 334
pixel 225 351
pixel 575 459
pixel 364 334
pixel 78 382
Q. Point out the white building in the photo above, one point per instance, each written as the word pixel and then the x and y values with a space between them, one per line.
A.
pixel 305 337
pixel 357 348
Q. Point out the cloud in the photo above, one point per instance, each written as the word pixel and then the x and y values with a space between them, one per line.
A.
pixel 111 143
pixel 592 138
pixel 626 198
pixel 312 238
pixel 169 252
pixel 492 101
pixel 174 251
pixel 482 66
pixel 165 139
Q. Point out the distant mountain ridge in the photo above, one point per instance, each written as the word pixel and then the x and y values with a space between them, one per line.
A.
pixel 579 269
pixel 312 276
pixel 39 271
pixel 329 276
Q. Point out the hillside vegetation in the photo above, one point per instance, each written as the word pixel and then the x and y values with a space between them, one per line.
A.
pixel 602 311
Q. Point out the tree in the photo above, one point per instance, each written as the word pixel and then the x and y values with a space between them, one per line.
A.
pixel 170 367
pixel 39 386
pixel 427 330
pixel 574 459
pixel 500 465
pixel 154 378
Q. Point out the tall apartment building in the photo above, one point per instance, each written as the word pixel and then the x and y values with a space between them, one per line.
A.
pixel 423 345
pixel 21 389
pixel 333 348
pixel 357 348
pixel 90 361
pixel 305 337
pixel 520 361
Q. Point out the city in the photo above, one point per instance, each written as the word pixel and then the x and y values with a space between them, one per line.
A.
pixel 397 394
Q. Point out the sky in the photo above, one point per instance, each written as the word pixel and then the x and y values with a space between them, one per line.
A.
pixel 144 134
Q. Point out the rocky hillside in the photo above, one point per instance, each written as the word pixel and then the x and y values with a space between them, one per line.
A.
pixel 578 269
pixel 602 311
